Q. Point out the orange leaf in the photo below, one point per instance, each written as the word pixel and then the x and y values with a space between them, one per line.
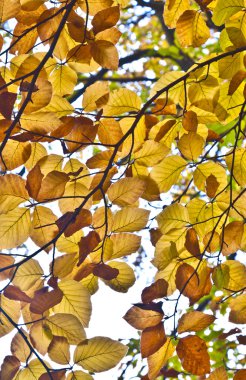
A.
pixel 105 19
pixel 211 186
pixel 232 237
pixel 152 339
pixel 191 242
pixel 193 354
pixel 105 53
pixel 157 290
pixel 192 284
pixel 87 244
pixel 240 375
pixel 4 262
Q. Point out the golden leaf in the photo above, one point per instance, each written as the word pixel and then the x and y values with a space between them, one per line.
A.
pixel 67 326
pixel 191 29
pixel 58 350
pixel 121 101
pixel 12 192
pixel 99 354
pixel 14 227
pixel 158 360
pixel 126 191
pixel 130 219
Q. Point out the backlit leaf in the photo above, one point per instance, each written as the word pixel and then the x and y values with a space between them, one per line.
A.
pixel 193 354
pixel 158 360
pixel 130 219
pixel 67 326
pixel 99 354
pixel 14 227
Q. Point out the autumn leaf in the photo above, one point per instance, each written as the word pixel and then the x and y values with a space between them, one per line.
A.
pixel 193 354
pixel 142 316
pixel 194 321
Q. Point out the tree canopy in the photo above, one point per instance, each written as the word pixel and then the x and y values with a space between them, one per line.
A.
pixel 123 119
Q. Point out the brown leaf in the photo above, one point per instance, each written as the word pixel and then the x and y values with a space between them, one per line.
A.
pixel 155 235
pixel 191 284
pixel 14 293
pixel 211 186
pixel 105 271
pixel 213 136
pixel 241 339
pixel 157 290
pixel 87 244
pixel 105 54
pixel 70 224
pixel 231 237
pixel 193 354
pixel 141 316
pixel 236 80
pixel 190 121
pixel 211 241
pixel 43 302
pixel 191 242
pixel 9 367
pixel 152 339
pixel 7 101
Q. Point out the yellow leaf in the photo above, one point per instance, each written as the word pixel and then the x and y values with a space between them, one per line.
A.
pixel 151 153
pixel 121 101
pixel 194 321
pixel 69 244
pixel 37 152
pixel 12 192
pixel 28 274
pixel 168 274
pixel 9 9
pixel 14 155
pixel 191 145
pixel 40 122
pixel 218 374
pixel 40 98
pixel 67 326
pixel 160 358
pixel 14 227
pixel 168 80
pixel 173 216
pixel 229 66
pixel 99 354
pixel 130 219
pixel 12 308
pixel 165 253
pixel 124 280
pixel 167 172
pixel 224 10
pixel 238 169
pixel 40 338
pixel 79 375
pixel 63 265
pixel 43 229
pixel 76 301
pixel 124 244
pixel 237 275
pixel 72 197
pixel 63 80
pixel 126 191
pixel 173 10
pixel 93 94
pixel 238 309
pixel 59 106
pixel 33 371
pixel 203 171
pixel 59 350
pixel 191 29
pixel 19 347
